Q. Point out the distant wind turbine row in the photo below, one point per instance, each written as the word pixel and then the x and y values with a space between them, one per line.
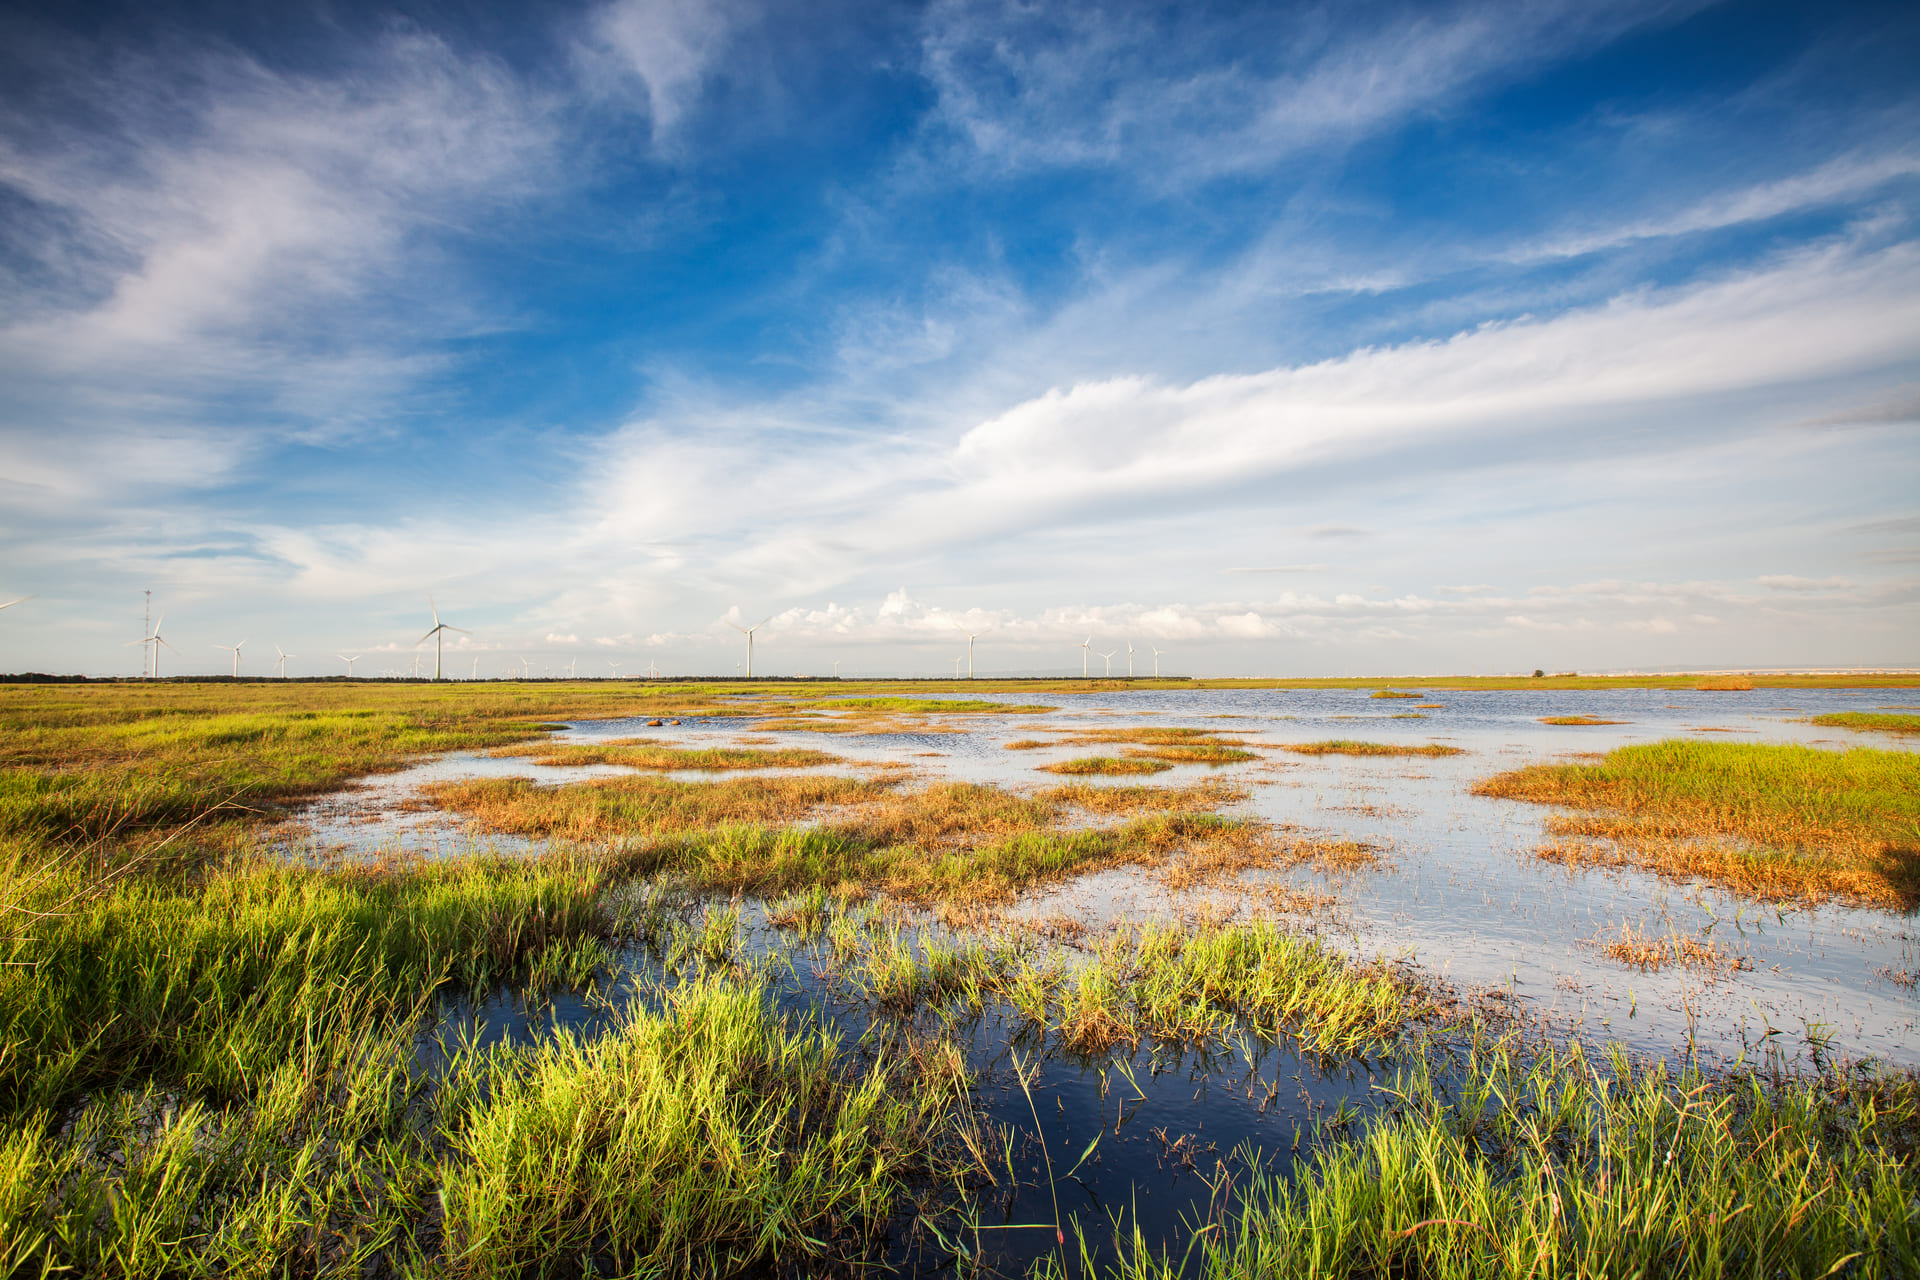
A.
pixel 153 641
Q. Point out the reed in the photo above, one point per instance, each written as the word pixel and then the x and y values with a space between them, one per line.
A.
pixel 1349 747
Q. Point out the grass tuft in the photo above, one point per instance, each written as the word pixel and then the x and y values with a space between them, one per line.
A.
pixel 1348 747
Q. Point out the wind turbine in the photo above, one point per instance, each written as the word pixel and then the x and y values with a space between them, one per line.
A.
pixel 1086 646
pixel 154 638
pixel 570 666
pixel 971 636
pixel 349 661
pixel 1129 659
pixel 1156 659
pixel 283 660
pixel 956 669
pixel 748 633
pixel 436 635
pixel 653 672
pixel 236 654
pixel 475 675
pixel 616 668
pixel 1109 658
pixel 416 662
pixel 526 668
pixel 836 669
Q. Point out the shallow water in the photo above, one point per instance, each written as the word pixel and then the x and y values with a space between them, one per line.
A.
pixel 1458 891
pixel 1138 1136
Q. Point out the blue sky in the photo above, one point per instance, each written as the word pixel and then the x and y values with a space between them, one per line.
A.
pixel 1289 339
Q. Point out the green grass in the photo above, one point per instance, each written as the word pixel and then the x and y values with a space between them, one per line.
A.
pixel 1392 693
pixel 1570 1166
pixel 1880 722
pixel 698 1141
pixel 1808 823
pixel 113 982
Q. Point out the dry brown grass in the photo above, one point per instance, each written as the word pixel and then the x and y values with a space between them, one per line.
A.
pixel 1200 798
pixel 1780 823
pixel 611 808
pixel 1651 953
pixel 1233 851
pixel 1393 693
pixel 1347 747
pixel 1027 744
pixel 945 814
pixel 1429 706
pixel 1724 684
pixel 638 753
pixel 1113 765
pixel 1577 720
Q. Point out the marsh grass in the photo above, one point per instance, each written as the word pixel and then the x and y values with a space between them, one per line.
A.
pixel 1577 720
pixel 642 807
pixel 1569 1164
pixel 1349 747
pixel 638 753
pixel 1724 684
pixel 1652 952
pixel 1393 693
pixel 1200 797
pixel 1864 721
pixel 1106 765
pixel 1778 822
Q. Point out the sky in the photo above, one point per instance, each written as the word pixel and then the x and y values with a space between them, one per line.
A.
pixel 1292 340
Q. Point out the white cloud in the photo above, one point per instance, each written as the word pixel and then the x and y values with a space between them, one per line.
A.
pixel 670 46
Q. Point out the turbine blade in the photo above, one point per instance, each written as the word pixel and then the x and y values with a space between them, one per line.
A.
pixel 436 610
pixel 423 639
pixel 462 630
pixel 9 604
pixel 158 640
pixel 763 622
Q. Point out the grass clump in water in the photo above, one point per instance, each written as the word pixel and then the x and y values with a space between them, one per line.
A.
pixel 1394 693
pixel 1106 765
pixel 1577 720
pixel 637 753
pixel 629 808
pixel 1783 823
pixel 1567 1166
pixel 700 1140
pixel 1875 721
pixel 1350 747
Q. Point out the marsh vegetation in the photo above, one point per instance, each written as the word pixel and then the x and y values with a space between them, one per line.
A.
pixel 785 1014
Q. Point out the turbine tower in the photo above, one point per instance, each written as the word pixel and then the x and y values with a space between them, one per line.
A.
pixel 349 661
pixel 748 633
pixel 284 655
pixel 570 666
pixel 436 635
pixel 956 668
pixel 653 672
pixel 1109 658
pixel 1129 659
pixel 1157 651
pixel 155 639
pixel 1086 646
pixel 971 636
pixel 616 668
pixel 236 654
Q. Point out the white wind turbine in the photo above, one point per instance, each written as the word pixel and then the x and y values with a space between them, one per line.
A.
pixel 154 638
pixel 436 635
pixel 748 633
pixel 653 672
pixel 1157 651
pixel 1109 658
pixel 236 654
pixel 616 668
pixel 1129 659
pixel 475 673
pixel 971 637
pixel 570 666
pixel 836 669
pixel 526 668
pixel 1086 647
pixel 349 661
pixel 416 663
pixel 284 655
pixel 956 668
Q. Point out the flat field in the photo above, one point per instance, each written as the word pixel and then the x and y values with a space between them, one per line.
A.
pixel 651 978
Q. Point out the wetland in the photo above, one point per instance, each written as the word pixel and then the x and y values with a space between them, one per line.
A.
pixel 1143 978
